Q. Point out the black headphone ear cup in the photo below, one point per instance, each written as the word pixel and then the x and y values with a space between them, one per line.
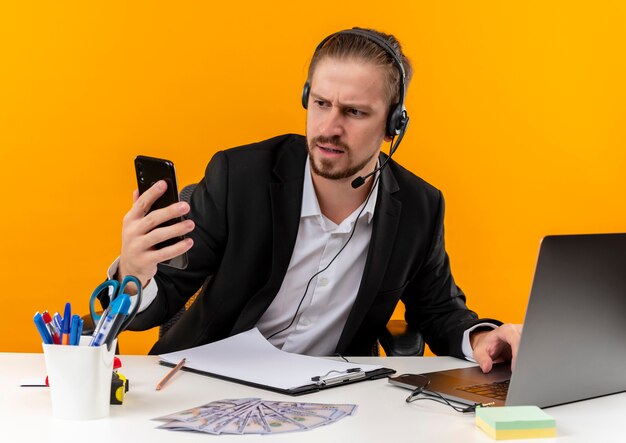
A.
pixel 395 121
pixel 305 95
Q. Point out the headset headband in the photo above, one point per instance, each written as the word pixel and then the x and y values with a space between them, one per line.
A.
pixel 381 42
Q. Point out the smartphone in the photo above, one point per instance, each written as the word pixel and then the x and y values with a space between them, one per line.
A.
pixel 150 170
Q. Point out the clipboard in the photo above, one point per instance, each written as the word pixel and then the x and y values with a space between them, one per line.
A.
pixel 274 370
pixel 335 380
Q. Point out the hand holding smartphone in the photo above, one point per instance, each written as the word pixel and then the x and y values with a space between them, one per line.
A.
pixel 150 170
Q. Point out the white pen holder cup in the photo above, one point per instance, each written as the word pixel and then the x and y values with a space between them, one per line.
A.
pixel 80 379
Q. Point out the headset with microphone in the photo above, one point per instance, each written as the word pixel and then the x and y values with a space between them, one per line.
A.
pixel 397 119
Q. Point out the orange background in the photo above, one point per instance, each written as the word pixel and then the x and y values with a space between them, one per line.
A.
pixel 517 115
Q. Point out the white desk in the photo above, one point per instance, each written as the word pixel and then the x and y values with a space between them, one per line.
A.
pixel 383 415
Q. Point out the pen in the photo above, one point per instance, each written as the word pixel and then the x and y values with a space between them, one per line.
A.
pixel 74 330
pixel 54 332
pixel 67 320
pixel 170 374
pixel 340 377
pixel 43 331
pixel 104 315
pixel 79 333
pixel 57 321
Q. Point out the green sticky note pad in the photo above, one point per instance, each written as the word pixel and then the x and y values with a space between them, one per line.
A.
pixel 511 422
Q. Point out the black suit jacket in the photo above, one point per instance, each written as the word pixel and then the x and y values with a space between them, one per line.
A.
pixel 247 212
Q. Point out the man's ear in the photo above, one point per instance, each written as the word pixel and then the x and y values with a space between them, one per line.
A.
pixel 387 138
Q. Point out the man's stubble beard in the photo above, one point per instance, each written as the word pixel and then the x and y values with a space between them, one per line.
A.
pixel 325 169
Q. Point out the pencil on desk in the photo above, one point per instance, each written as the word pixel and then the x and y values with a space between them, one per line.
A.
pixel 170 374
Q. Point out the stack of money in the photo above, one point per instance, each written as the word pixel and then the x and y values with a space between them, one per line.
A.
pixel 255 416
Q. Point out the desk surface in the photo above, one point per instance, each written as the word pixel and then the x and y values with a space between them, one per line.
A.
pixel 383 415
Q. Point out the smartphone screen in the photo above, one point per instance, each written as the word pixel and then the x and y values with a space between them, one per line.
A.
pixel 150 170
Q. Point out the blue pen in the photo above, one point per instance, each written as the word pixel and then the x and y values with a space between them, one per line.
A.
pixel 74 330
pixel 67 320
pixel 43 331
pixel 57 320
pixel 104 315
pixel 79 333
pixel 119 309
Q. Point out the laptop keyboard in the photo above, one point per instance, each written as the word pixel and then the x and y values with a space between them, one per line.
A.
pixel 497 390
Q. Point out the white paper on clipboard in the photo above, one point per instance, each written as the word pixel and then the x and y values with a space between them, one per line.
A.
pixel 249 357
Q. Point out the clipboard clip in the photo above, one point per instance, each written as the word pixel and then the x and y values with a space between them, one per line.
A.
pixel 335 377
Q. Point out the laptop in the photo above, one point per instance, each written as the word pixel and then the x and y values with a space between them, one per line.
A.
pixel 573 344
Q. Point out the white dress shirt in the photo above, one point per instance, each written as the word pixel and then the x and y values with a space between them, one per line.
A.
pixel 331 294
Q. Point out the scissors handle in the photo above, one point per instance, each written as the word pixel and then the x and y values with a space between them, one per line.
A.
pixel 115 289
pixel 105 285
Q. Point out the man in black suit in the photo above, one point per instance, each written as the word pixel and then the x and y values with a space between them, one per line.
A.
pixel 297 238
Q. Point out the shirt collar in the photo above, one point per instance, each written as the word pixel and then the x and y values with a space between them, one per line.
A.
pixel 310 204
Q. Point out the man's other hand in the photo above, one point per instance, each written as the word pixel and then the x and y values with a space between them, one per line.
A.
pixel 498 345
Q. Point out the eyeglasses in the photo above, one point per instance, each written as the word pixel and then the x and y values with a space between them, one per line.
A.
pixel 427 394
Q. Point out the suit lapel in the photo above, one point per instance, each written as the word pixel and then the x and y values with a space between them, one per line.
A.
pixel 386 220
pixel 286 203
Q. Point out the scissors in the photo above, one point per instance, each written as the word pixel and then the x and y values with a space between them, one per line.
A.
pixel 114 290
